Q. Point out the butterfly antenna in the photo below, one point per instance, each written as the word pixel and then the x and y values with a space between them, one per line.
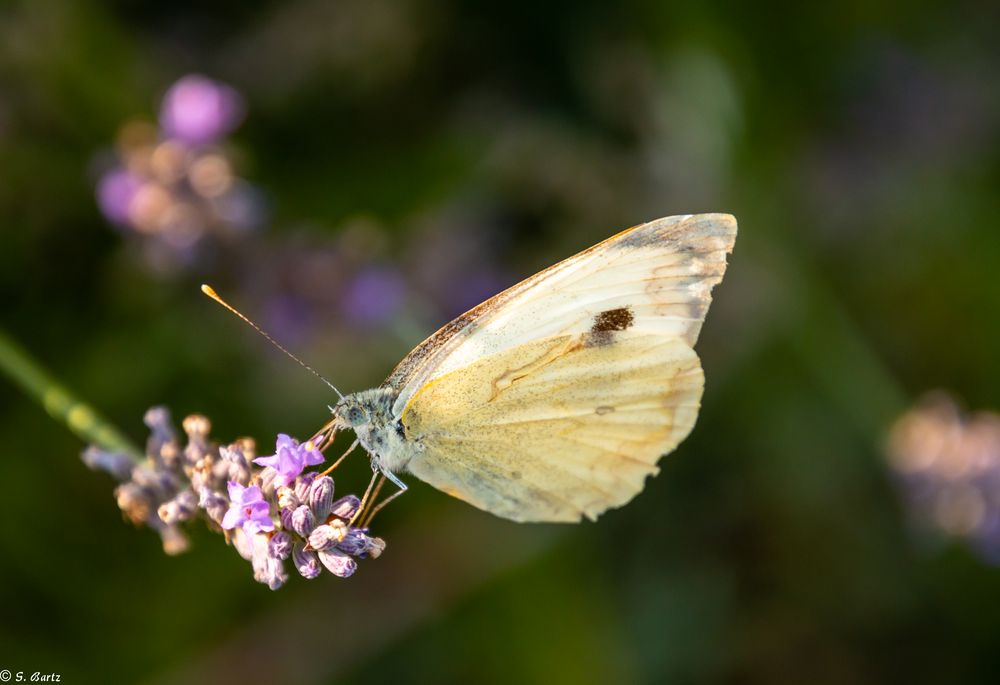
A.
pixel 208 290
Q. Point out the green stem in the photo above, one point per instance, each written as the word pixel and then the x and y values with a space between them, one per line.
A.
pixel 81 418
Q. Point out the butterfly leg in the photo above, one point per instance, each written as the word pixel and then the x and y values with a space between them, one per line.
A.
pixel 395 481
pixel 325 435
pixel 376 475
pixel 341 458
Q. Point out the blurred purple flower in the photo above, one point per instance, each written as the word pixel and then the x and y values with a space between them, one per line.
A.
pixel 374 296
pixel 290 458
pixel 115 192
pixel 289 318
pixel 248 510
pixel 476 288
pixel 947 463
pixel 199 110
pixel 242 208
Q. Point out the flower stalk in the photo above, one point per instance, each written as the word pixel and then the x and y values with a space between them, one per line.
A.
pixel 59 402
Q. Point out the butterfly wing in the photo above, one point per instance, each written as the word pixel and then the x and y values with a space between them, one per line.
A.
pixel 556 398
pixel 557 428
pixel 663 271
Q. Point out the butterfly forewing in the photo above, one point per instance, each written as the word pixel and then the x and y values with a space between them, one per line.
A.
pixel 663 271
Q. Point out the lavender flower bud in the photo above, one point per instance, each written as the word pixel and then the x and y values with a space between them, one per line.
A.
pixel 243 543
pixel 287 497
pixel 321 497
pixel 158 421
pixel 117 464
pixel 266 481
pixel 197 427
pixel 181 508
pixel 355 542
pixel 168 456
pixel 178 479
pixel 338 563
pixel 155 482
pixel 232 454
pixel 280 546
pixel 375 547
pixel 285 516
pixel 214 504
pixel 272 573
pixel 232 465
pixel 266 568
pixel 247 447
pixel 134 502
pixel 305 562
pixel 302 485
pixel 326 536
pixel 303 520
pixel 174 540
pixel 345 507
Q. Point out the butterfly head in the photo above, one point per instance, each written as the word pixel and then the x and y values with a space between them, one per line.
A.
pixel 362 409
pixel 369 414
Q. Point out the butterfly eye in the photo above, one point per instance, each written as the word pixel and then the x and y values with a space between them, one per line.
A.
pixel 355 416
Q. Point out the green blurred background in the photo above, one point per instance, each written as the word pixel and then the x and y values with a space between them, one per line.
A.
pixel 443 150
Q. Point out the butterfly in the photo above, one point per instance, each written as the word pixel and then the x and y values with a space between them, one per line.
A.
pixel 555 399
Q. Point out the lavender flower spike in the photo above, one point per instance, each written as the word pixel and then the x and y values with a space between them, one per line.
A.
pixel 290 458
pixel 248 510
pixel 272 515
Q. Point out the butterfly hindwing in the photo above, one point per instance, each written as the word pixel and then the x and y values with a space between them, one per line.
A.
pixel 557 428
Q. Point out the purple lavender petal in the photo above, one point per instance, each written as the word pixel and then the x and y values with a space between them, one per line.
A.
pixel 258 517
pixel 258 525
pixel 252 494
pixel 235 492
pixel 311 455
pixel 271 461
pixel 233 518
pixel 199 110
pixel 290 458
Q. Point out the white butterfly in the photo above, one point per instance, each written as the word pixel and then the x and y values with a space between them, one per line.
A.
pixel 555 399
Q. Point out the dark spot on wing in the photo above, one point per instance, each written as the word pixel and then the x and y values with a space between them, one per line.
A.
pixel 603 409
pixel 515 475
pixel 613 320
pixel 605 324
